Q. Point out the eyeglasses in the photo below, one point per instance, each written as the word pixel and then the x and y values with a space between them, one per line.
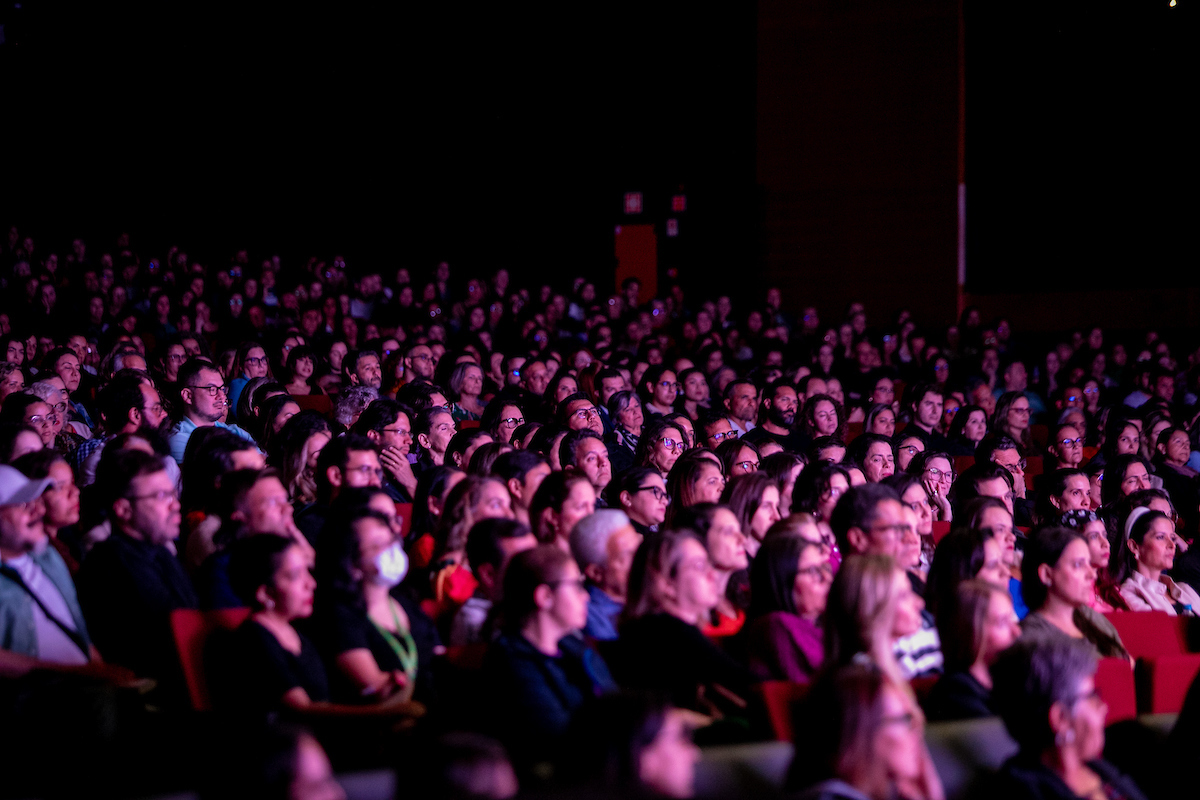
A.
pixel 1019 465
pixel 911 449
pixel 177 357
pixel 512 422
pixel 726 435
pixel 940 475
pixel 367 470
pixel 909 721
pixel 254 361
pixel 159 496
pixel 586 413
pixel 401 431
pixel 659 494
pixel 157 408
pixel 212 390
pixel 58 408
pixel 669 385
pixel 1025 410
pixel 821 572
pixel 1072 442
pixel 672 444
pixel 746 466
pixel 38 420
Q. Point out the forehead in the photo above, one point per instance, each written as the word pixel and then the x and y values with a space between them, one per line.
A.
pixel 576 405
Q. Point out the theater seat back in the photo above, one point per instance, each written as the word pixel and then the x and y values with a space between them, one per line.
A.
pixel 780 698
pixel 192 629
pixel 1114 682
pixel 1149 634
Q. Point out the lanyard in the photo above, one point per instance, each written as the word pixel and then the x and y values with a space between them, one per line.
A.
pixel 401 642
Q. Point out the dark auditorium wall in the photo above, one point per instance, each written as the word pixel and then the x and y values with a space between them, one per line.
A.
pixel 858 153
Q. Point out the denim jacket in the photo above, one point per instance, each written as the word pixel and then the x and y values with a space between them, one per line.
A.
pixel 17 631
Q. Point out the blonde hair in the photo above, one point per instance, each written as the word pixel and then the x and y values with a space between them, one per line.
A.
pixel 861 612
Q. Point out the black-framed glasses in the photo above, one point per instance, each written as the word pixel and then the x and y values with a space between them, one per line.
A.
pixel 211 389
pixel 717 437
pixel 746 466
pixel 939 475
pixel 1069 442
pixel 254 361
pixel 659 494
pixel 512 422
pixel 911 449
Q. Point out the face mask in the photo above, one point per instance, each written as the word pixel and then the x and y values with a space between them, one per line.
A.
pixel 391 566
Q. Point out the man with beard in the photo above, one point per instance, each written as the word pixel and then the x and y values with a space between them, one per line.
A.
pixel 128 404
pixel 205 401
pixel 776 416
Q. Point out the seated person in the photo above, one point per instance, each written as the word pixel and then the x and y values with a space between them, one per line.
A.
pixel 863 738
pixel 603 545
pixel 539 672
pixel 491 543
pixel 672 592
pixel 963 554
pixel 267 665
pixel 1045 690
pixel 975 627
pixel 131 582
pixel 375 643
pixel 1150 550
pixel 1058 582
pixel 1106 595
pixel 789 587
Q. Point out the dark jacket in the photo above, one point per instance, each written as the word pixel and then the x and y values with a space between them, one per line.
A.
pixel 958 696
pixel 1025 776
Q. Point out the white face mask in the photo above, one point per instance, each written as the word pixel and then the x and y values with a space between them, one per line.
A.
pixel 391 566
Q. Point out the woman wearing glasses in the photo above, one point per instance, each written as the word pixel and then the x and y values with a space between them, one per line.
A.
pixel 934 470
pixel 660 446
pixel 1065 450
pixel 1045 691
pixel 642 494
pixel 754 500
pixel 1012 418
pixel 250 362
pixel 789 585
pixel 24 408
pixel 539 672
pixel 500 418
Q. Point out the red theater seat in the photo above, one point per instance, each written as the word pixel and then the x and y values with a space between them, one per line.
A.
pixel 1114 681
pixel 1033 468
pixel 940 529
pixel 315 402
pixel 779 697
pixel 1149 634
pixel 963 463
pixel 1167 680
pixel 192 629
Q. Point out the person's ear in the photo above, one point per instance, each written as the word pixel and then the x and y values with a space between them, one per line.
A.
pixel 543 597
pixel 1162 448
pixel 1133 547
pixel 134 416
pixel 1045 572
pixel 122 509
pixel 626 499
pixel 1060 720
pixel 594 573
pixel 374 436
pixel 858 540
pixel 334 475
pixel 263 597
pixel 423 440
pixel 1054 501
pixel 515 488
pixel 487 576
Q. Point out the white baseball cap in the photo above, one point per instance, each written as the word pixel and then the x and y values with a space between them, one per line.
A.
pixel 15 488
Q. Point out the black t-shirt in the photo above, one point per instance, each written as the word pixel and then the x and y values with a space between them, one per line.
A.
pixel 252 671
pixel 339 627
pixel 792 441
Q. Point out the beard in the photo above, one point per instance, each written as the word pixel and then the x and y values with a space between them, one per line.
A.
pixel 784 419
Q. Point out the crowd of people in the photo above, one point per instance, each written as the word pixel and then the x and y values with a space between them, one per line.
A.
pixel 548 536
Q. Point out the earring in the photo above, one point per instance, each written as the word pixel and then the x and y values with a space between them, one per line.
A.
pixel 1064 737
pixel 269 605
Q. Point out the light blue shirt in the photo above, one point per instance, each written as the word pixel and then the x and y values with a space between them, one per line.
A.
pixel 183 432
pixel 602 615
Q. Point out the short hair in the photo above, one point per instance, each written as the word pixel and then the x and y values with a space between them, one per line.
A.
pixel 1033 675
pixel 589 538
pixel 337 454
pixel 858 508
pixel 561 416
pixel 191 369
pixel 515 464
pixel 116 399
pixel 483 540
pixel 993 442
pixel 377 416
pixel 15 405
pixel 417 395
pixel 1045 545
pixel 567 447
pixel 253 562
pixel 123 467
pixel 966 488
pixel 352 401
pixel 350 362
pixel 9 432
pixel 627 480
pixel 857 453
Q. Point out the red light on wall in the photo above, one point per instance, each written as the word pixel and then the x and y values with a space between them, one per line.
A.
pixel 679 203
pixel 672 227
pixel 633 202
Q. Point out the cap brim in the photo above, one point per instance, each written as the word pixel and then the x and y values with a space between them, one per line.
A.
pixel 30 491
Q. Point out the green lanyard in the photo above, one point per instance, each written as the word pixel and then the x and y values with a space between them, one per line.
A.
pixel 401 642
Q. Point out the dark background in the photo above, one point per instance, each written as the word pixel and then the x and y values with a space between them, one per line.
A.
pixel 817 141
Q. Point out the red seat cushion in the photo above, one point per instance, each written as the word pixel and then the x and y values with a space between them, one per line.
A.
pixel 1168 680
pixel 1149 634
pixel 779 697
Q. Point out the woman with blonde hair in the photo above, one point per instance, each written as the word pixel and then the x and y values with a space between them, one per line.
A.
pixel 871 605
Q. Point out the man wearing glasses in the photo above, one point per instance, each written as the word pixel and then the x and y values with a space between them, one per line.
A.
pixel 205 401
pixel 578 413
pixel 132 581
pixel 717 430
